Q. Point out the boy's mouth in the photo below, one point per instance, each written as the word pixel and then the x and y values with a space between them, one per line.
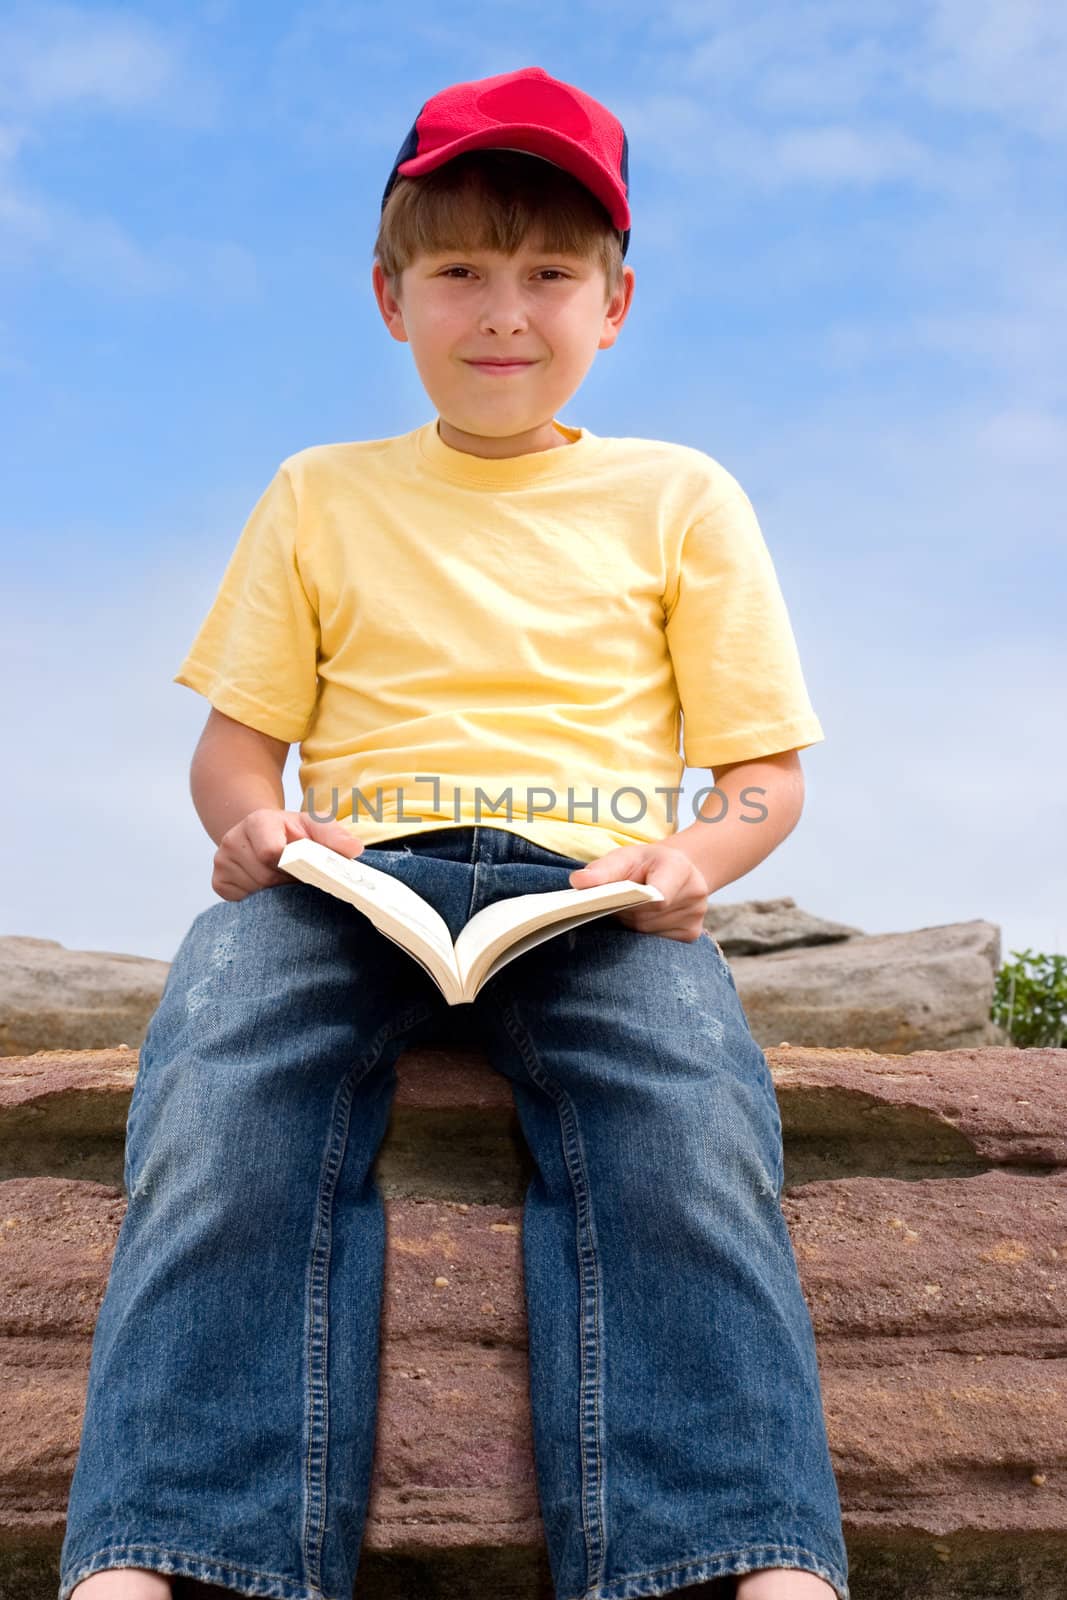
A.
pixel 500 366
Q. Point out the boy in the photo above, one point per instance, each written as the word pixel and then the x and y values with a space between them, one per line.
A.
pixel 493 607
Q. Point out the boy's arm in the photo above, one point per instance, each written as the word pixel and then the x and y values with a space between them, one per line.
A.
pixel 235 770
pixel 748 828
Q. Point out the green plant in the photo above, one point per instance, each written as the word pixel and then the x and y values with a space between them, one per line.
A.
pixel 1030 999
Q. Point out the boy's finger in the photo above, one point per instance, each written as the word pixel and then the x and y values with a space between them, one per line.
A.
pixel 617 864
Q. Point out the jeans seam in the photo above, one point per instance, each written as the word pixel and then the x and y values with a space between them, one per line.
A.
pixel 86 1568
pixel 591 1410
pixel 821 1568
pixel 317 1419
pixel 131 1106
pixel 316 1486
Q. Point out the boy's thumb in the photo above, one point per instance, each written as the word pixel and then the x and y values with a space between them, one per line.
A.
pixel 333 834
pixel 606 869
pixel 343 840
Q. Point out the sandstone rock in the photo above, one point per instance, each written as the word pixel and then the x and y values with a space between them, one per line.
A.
pixel 801 978
pixel 931 989
pixel 52 998
pixel 755 927
pixel 454 1132
pixel 930 1248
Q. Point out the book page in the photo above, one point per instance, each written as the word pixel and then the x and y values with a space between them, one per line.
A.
pixel 504 930
pixel 539 935
pixel 391 905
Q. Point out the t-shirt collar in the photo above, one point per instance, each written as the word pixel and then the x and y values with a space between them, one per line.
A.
pixel 508 471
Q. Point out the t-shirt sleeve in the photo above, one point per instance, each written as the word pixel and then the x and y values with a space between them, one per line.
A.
pixel 736 665
pixel 255 657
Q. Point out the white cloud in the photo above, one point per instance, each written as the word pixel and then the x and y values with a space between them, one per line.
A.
pixel 55 59
pixel 995 299
pixel 843 154
pixel 938 494
pixel 64 60
pixel 1005 339
pixel 1026 439
pixel 62 55
pixel 55 56
pixel 820 91
pixel 99 251
pixel 1006 60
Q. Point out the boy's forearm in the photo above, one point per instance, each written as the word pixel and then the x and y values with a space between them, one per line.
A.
pixel 230 778
pixel 748 828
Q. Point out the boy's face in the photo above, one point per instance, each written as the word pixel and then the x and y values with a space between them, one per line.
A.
pixel 547 309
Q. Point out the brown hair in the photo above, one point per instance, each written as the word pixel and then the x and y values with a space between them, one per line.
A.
pixel 495 200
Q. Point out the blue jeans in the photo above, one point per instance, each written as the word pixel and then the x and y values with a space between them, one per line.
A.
pixel 231 1407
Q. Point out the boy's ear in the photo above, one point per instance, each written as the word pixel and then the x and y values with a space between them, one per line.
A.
pixel 388 304
pixel 617 310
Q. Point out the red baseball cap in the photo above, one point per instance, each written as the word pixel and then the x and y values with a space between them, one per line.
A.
pixel 529 111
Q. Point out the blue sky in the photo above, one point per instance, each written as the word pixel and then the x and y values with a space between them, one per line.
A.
pixel 850 250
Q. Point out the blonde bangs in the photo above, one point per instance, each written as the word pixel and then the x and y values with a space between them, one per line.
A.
pixel 497 200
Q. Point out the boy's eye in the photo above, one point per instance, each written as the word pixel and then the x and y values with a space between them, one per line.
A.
pixel 555 271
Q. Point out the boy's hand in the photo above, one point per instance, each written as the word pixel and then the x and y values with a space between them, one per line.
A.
pixel 680 914
pixel 247 856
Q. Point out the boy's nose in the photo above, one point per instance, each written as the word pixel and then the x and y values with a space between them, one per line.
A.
pixel 502 325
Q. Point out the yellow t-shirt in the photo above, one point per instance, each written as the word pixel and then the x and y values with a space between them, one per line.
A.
pixel 443 633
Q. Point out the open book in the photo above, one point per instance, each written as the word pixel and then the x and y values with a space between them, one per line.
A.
pixel 493 936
